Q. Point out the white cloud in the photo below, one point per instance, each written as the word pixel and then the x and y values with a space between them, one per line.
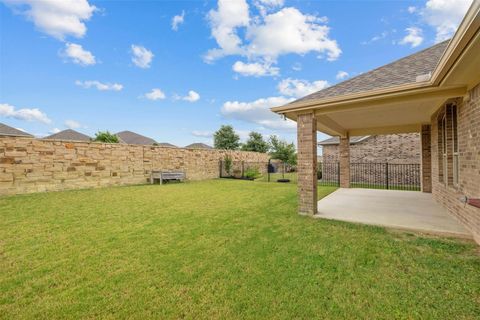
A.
pixel 155 94
pixel 258 112
pixel 202 134
pixel 78 55
pixel 265 6
pixel 142 57
pixel 54 130
pixel 178 20
pixel 412 9
pixel 290 31
pixel 72 124
pixel 99 85
pixel 224 22
pixel 9 111
pixel 56 18
pixel 414 37
pixel 264 38
pixel 445 16
pixel 376 38
pixel 300 88
pixel 192 96
pixel 297 66
pixel 341 75
pixel 255 69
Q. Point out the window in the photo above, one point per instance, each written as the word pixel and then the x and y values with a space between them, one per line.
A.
pixel 455 145
pixel 444 148
pixel 448 149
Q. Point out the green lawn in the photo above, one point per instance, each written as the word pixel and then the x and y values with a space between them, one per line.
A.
pixel 219 249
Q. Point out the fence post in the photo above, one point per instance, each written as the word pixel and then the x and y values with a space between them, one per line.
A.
pixel 220 168
pixel 386 174
pixel 338 174
pixel 243 168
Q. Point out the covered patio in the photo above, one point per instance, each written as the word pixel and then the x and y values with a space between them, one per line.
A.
pixel 431 92
pixel 405 210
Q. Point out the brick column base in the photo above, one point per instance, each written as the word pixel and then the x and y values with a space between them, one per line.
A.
pixel 344 154
pixel 307 163
pixel 426 159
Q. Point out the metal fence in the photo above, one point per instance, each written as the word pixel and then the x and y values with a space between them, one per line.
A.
pixel 385 176
pixel 362 175
pixel 328 173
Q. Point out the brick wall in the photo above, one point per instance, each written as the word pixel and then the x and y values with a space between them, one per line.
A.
pixel 392 148
pixel 307 163
pixel 31 165
pixel 469 164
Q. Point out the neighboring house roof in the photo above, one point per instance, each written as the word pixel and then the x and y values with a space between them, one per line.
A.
pixel 130 137
pixel 69 134
pixel 166 144
pixel 198 146
pixel 12 132
pixel 336 140
pixel 399 72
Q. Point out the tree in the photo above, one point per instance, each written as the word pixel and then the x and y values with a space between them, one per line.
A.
pixel 226 138
pixel 106 136
pixel 283 151
pixel 256 143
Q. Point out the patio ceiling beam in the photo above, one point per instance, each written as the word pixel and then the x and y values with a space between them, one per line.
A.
pixel 409 128
pixel 331 125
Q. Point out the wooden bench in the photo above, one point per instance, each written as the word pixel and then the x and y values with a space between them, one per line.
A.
pixel 166 176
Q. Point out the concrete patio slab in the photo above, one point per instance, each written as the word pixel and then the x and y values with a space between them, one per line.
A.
pixel 408 210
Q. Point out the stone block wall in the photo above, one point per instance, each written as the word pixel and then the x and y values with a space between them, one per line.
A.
pixel 392 148
pixel 469 164
pixel 31 165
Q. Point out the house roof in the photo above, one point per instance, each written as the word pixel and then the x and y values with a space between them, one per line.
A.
pixel 400 72
pixel 69 134
pixel 166 144
pixel 336 140
pixel 10 131
pixel 130 137
pixel 198 146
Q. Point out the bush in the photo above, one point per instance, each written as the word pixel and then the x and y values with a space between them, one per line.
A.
pixel 106 136
pixel 252 173
pixel 228 164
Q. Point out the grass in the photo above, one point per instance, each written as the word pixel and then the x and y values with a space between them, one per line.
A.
pixel 216 250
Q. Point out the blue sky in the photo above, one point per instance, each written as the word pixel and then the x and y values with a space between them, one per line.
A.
pixel 177 70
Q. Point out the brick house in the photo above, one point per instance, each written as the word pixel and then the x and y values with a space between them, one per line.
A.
pixel 385 148
pixel 434 92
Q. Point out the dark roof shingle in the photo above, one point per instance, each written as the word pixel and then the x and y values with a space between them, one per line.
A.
pixel 70 135
pixel 10 131
pixel 130 137
pixel 402 71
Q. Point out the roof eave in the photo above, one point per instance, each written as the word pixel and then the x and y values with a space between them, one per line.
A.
pixel 466 31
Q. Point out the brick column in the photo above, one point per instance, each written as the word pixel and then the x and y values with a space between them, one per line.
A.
pixel 344 154
pixel 426 159
pixel 307 163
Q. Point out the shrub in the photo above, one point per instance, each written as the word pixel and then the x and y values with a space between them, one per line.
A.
pixel 252 173
pixel 228 164
pixel 106 136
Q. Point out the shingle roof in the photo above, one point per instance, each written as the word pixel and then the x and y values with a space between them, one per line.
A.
pixel 403 71
pixel 130 137
pixel 166 144
pixel 10 131
pixel 198 146
pixel 70 135
pixel 336 140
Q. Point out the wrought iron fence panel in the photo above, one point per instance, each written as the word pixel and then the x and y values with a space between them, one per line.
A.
pixel 385 176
